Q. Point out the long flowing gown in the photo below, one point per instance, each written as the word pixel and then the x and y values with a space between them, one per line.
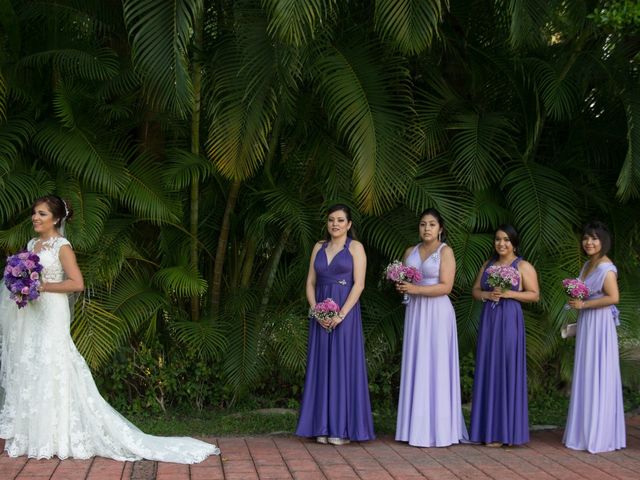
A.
pixel 499 409
pixel 51 403
pixel 429 408
pixel 596 411
pixel 335 400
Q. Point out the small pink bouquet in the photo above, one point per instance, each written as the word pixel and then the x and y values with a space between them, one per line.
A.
pixel 396 272
pixel 22 277
pixel 325 310
pixel 503 277
pixel 574 288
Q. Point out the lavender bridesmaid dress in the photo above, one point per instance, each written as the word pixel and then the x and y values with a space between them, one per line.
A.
pixel 596 412
pixel 429 408
pixel 335 400
pixel 499 409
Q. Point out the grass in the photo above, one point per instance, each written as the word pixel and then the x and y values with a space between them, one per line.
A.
pixel 543 410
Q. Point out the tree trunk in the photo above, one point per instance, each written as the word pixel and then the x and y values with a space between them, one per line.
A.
pixel 221 250
pixel 195 149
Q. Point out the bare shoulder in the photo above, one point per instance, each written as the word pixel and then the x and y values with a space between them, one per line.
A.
pixel 408 251
pixel 447 251
pixel 356 247
pixel 526 267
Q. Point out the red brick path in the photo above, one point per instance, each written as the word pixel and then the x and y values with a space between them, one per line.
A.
pixel 247 458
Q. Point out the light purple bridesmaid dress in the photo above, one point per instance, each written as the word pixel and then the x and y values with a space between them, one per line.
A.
pixel 596 413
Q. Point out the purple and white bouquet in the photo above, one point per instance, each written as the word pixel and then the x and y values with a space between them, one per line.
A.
pixel 325 310
pixel 22 277
pixel 503 277
pixel 397 271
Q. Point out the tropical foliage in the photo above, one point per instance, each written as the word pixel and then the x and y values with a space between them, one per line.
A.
pixel 200 141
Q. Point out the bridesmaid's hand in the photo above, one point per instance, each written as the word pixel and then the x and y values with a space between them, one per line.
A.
pixel 577 303
pixel 499 293
pixel 335 321
pixel 404 287
pixel 495 295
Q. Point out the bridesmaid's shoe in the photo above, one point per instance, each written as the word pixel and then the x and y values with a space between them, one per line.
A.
pixel 338 441
pixel 322 440
pixel 493 444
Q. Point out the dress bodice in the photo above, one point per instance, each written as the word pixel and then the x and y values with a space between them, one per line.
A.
pixel 595 279
pixel 340 270
pixel 595 284
pixel 430 268
pixel 484 284
pixel 49 253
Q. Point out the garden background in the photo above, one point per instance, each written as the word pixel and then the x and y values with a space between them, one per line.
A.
pixel 200 142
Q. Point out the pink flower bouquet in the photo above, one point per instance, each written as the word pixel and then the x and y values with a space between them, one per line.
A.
pixel 574 288
pixel 396 272
pixel 503 277
pixel 22 277
pixel 325 310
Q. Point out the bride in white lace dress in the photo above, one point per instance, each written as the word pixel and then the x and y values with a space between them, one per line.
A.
pixel 51 404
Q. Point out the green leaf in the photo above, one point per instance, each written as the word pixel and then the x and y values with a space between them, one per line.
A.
pixel 160 33
pixel 410 25
pixel 182 281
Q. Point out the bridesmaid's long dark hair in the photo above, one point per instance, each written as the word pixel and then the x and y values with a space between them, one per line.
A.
pixel 514 238
pixel 347 213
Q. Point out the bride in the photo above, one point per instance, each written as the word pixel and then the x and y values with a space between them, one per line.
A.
pixel 51 404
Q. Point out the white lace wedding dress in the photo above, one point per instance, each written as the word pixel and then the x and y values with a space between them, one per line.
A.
pixel 51 403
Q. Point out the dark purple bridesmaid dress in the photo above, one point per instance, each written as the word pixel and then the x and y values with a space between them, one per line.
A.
pixel 499 409
pixel 335 400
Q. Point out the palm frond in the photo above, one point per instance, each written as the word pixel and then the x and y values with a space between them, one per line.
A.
pixel 528 21
pixel 100 64
pixel 160 33
pixel 369 103
pixel 20 189
pixel 479 144
pixel 629 179
pixel 16 237
pixel 432 189
pixel 182 281
pixel 538 197
pixel 133 299
pixel 296 23
pixel 238 128
pixel 3 98
pixel 410 25
pixel 105 263
pixel 288 337
pixel 98 163
pixel 556 86
pixel 90 213
pixel 435 108
pixel 96 331
pixel 14 134
pixel 145 193
pixel 205 338
pixel 391 233
pixel 471 251
pixel 185 168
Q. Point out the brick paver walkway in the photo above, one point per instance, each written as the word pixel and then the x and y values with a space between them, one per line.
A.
pixel 247 458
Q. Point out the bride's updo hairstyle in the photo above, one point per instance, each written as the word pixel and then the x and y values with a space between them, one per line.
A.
pixel 59 208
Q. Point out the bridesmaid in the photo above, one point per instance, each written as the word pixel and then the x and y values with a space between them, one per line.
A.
pixel 596 411
pixel 429 408
pixel 335 401
pixel 499 410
